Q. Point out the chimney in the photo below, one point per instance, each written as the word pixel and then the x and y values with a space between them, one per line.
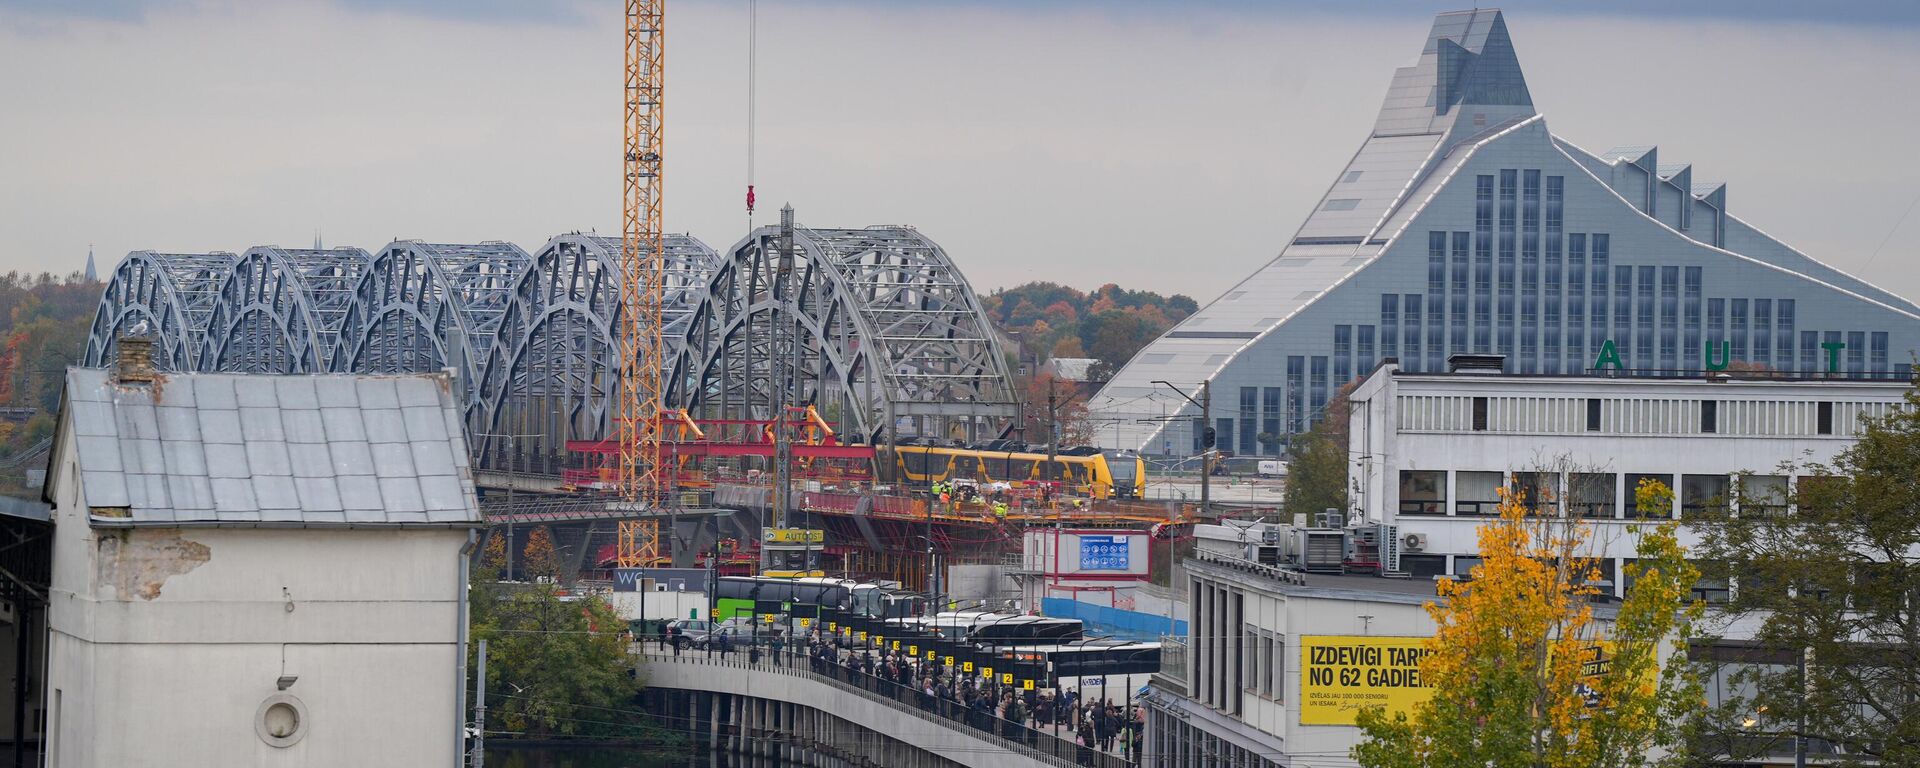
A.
pixel 135 363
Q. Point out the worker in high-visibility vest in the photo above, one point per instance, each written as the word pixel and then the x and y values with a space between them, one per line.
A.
pixel 1000 510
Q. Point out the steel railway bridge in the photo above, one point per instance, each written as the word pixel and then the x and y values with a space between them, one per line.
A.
pixel 892 340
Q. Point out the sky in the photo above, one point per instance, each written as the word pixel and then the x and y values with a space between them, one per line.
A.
pixel 1165 146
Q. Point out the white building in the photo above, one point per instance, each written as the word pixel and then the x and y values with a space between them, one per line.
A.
pixel 1240 693
pixel 1101 566
pixel 257 570
pixel 1429 451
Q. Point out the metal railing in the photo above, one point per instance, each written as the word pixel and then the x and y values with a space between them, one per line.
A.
pixel 1055 746
pixel 1285 575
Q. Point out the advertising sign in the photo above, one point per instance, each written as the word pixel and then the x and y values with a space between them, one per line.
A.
pixel 1343 674
pixel 1103 553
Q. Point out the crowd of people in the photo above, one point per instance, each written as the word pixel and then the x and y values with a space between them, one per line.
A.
pixel 1013 712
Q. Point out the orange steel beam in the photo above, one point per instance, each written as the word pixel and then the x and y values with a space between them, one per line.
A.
pixel 642 277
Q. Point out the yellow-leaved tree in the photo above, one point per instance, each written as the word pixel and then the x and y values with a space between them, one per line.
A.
pixel 1525 673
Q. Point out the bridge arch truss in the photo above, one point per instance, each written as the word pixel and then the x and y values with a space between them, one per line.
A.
pixel 170 295
pixel 892 340
pixel 282 309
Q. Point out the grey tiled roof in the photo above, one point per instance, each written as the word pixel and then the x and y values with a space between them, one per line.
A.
pixel 330 450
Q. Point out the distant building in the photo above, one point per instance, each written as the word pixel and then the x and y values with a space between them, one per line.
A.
pixel 1072 368
pixel 1463 225
pixel 257 570
pixel 1431 451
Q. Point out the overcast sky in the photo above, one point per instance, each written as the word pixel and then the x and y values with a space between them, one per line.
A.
pixel 1167 146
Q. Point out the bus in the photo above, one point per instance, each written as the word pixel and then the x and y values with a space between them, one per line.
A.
pixel 747 596
pixel 1082 470
pixel 1099 669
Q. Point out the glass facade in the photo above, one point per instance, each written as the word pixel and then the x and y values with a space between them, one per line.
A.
pixel 1501 240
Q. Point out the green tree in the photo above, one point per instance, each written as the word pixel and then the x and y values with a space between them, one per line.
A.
pixel 1317 460
pixel 556 665
pixel 1508 663
pixel 1836 582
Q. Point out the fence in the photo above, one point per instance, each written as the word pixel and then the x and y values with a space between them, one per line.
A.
pixel 1114 620
pixel 1057 745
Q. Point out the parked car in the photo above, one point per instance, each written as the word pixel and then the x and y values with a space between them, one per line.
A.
pixel 741 631
pixel 689 633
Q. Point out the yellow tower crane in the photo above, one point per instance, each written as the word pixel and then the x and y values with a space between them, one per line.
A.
pixel 642 286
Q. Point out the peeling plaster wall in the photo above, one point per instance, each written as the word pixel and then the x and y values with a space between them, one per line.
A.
pixel 136 563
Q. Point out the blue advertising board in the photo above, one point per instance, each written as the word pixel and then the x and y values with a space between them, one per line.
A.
pixel 1103 553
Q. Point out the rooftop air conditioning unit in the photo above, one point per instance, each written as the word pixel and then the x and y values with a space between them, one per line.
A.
pixel 1414 542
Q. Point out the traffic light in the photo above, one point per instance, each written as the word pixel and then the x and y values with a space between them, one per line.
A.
pixel 1207 438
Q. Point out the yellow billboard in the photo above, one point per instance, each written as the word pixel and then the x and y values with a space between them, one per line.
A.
pixel 1343 674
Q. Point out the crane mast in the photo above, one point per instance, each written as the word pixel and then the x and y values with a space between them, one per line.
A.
pixel 642 278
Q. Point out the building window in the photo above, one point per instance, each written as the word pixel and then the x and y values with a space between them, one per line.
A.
pixel 1643 336
pixel 1410 339
pixel 1593 414
pixel 1762 495
pixel 1478 493
pixel 1341 204
pixel 1762 331
pixel 1633 496
pixel 1390 325
pixel 1223 433
pixel 1783 324
pixel 1296 393
pixel 1479 414
pixel 1738 320
pixel 1363 348
pixel 1317 382
pixel 1856 352
pixel 1709 416
pixel 1823 418
pixel 1423 566
pixel 1271 413
pixel 1590 494
pixel 1536 489
pixel 1342 353
pixel 1879 363
pixel 1809 346
pixel 1249 411
pixel 1423 492
pixel 1704 492
pixel 1436 262
pixel 1690 320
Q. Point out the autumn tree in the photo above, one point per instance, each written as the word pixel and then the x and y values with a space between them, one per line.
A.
pixel 1830 575
pixel 1515 664
pixel 1069 410
pixel 539 557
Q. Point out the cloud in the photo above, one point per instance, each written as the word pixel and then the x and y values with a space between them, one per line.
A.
pixel 1156 147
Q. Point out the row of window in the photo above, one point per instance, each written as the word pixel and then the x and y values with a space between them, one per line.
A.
pixel 1601 495
pixel 1670 416
pixel 1615 575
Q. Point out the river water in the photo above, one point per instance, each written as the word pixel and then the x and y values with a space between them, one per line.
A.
pixel 621 757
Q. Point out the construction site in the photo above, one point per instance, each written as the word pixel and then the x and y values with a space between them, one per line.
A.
pixel 655 402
